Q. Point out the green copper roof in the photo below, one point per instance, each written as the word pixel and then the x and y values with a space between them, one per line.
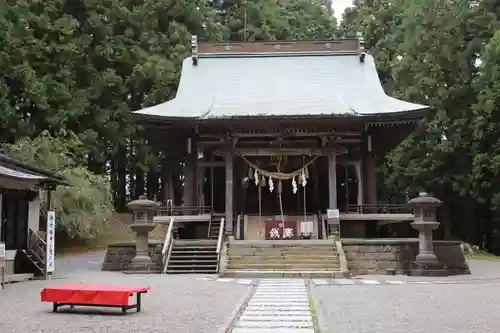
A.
pixel 279 85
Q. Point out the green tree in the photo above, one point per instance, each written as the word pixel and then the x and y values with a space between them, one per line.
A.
pixel 435 66
pixel 275 20
pixel 81 208
pixel 485 182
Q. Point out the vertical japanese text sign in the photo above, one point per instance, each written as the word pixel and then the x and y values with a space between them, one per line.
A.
pixel 51 234
pixel 2 255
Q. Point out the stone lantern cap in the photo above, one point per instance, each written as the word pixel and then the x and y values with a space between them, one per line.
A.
pixel 424 199
pixel 142 204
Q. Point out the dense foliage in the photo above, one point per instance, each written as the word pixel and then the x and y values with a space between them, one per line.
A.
pixel 443 54
pixel 81 208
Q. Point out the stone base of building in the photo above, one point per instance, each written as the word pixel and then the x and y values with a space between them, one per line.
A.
pixel 119 257
pixel 395 256
pixel 435 269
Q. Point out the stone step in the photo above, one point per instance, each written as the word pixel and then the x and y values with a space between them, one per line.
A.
pixel 331 259
pixel 283 274
pixel 260 256
pixel 232 252
pixel 191 271
pixel 193 251
pixel 174 261
pixel 282 248
pixel 274 330
pixel 184 246
pixel 266 266
pixel 196 256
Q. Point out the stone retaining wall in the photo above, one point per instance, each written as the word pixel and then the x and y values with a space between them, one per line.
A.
pixel 377 256
pixel 119 255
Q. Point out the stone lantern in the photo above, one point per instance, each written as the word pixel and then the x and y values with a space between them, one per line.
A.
pixel 425 222
pixel 143 211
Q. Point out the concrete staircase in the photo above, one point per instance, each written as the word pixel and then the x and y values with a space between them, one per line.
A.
pixel 298 258
pixel 193 256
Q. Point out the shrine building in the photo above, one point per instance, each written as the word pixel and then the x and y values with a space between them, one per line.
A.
pixel 271 136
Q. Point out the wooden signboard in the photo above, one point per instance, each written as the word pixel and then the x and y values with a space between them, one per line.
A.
pixel 333 216
pixel 275 229
pixel 51 236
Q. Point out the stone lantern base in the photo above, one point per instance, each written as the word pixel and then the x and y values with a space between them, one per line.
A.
pixel 142 262
pixel 431 268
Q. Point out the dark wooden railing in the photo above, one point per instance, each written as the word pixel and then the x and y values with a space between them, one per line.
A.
pixel 183 210
pixel 37 245
pixel 378 209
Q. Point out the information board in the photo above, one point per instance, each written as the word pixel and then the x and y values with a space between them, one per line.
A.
pixel 333 213
pixel 3 255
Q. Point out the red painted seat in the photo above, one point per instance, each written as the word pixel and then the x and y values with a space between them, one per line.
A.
pixel 93 295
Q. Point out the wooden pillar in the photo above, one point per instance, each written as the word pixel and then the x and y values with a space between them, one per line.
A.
pixel 359 178
pixel 228 159
pixel 369 172
pixel 332 181
pixel 168 185
pixel 370 179
pixel 201 181
pixel 190 175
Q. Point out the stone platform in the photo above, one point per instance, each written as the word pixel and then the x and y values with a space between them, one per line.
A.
pixel 119 256
pixel 396 256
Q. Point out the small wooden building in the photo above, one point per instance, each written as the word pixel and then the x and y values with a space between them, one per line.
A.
pixel 21 225
pixel 270 135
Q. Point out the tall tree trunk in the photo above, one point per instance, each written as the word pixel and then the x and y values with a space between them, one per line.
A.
pixel 138 182
pixel 152 185
pixel 121 181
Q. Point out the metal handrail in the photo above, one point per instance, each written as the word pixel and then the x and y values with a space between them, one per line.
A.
pixel 37 245
pixel 221 234
pixel 167 245
pixel 378 209
pixel 183 210
pixel 209 226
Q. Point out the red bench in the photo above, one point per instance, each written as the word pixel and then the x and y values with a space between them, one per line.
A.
pixel 93 295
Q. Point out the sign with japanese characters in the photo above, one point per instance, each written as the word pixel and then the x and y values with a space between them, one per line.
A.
pixel 333 213
pixel 3 255
pixel 281 230
pixel 51 237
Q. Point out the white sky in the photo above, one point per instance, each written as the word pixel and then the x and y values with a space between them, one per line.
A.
pixel 339 6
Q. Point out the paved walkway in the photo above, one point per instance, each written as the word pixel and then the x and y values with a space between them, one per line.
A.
pixel 365 281
pixel 280 306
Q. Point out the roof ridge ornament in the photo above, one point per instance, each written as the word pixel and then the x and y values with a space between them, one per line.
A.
pixel 194 49
pixel 361 43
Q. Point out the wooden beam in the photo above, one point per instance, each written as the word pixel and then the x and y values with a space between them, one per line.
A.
pixel 277 151
pixel 211 164
pixel 283 134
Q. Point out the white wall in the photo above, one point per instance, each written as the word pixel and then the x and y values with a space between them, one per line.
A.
pixel 34 213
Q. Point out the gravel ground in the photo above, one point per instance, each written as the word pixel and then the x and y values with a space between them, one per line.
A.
pixel 176 304
pixel 418 308
pixel 80 262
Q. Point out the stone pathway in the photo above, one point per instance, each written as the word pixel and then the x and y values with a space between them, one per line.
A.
pixel 279 306
pixel 229 280
pixel 350 282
